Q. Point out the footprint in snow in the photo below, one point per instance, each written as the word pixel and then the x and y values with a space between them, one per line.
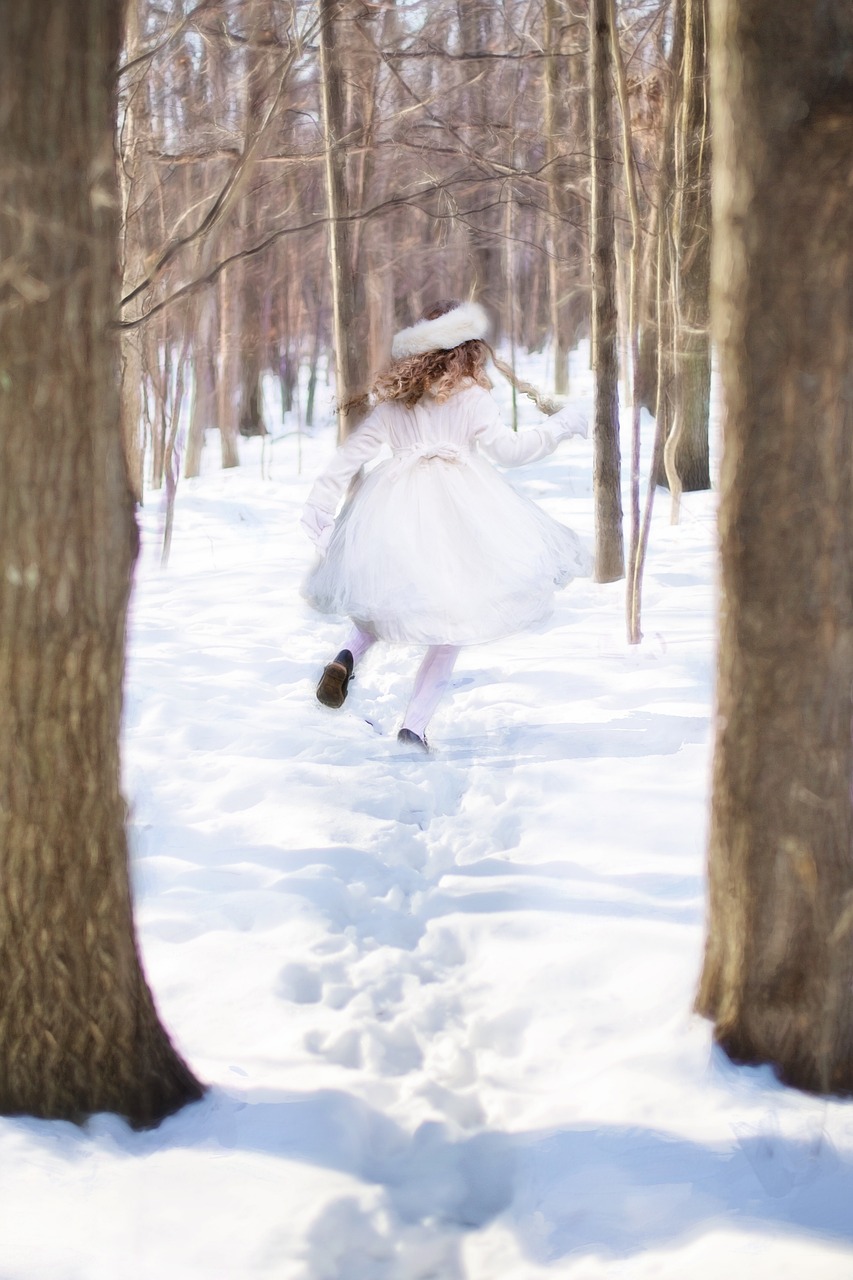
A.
pixel 300 985
pixel 343 1050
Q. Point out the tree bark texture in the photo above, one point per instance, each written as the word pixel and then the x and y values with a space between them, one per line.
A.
pixel 778 973
pixel 609 544
pixel 78 1028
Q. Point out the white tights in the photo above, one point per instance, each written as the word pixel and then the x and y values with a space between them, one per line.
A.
pixel 430 683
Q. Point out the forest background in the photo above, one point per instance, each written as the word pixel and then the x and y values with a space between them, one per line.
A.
pixel 445 151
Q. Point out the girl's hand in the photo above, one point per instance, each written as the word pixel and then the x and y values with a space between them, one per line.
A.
pixel 567 422
pixel 318 525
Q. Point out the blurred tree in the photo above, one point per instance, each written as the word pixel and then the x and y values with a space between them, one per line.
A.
pixel 78 1029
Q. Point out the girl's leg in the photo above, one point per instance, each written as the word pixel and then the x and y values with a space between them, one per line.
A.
pixel 430 684
pixel 358 642
pixel 334 682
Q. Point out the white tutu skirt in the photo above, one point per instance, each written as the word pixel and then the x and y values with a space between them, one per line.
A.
pixel 442 550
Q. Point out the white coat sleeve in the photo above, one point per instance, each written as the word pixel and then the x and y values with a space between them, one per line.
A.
pixel 363 445
pixel 507 447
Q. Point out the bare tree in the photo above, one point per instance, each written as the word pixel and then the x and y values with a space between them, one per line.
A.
pixel 653 381
pixel 609 546
pixel 437 154
pixel 133 126
pixel 78 1029
pixel 778 974
pixel 687 228
pixel 555 123
pixel 348 295
pixel 629 171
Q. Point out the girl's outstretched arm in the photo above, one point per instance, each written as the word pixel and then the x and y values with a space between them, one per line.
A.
pixel 331 485
pixel 514 448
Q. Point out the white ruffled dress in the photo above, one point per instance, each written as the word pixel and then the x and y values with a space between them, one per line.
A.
pixel 434 546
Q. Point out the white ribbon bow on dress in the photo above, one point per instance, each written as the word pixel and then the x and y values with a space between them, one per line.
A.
pixel 444 451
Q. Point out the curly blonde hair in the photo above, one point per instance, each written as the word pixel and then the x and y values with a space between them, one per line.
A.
pixel 440 373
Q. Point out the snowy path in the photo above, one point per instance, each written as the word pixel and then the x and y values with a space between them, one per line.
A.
pixel 444 1005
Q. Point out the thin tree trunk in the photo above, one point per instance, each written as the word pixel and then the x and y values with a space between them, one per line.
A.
pixel 554 140
pixel 251 422
pixel 172 459
pixel 157 370
pixel 686 454
pixel 647 369
pixel 475 18
pixel 609 548
pixel 131 410
pixel 132 258
pixel 510 279
pixel 314 361
pixel 78 1029
pixel 348 309
pixel 576 207
pixel 228 369
pixel 657 356
pixel 778 974
pixel 635 560
pixel 254 306
pixel 203 411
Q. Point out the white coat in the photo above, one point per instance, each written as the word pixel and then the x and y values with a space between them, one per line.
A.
pixel 434 546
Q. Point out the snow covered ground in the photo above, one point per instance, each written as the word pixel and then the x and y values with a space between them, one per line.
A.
pixel 443 1006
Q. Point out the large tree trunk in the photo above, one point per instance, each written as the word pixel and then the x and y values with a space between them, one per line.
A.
pixel 609 545
pixel 778 974
pixel 78 1029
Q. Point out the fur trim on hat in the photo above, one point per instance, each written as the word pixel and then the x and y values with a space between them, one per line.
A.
pixel 462 324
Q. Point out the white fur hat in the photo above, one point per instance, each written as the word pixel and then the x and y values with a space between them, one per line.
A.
pixel 463 323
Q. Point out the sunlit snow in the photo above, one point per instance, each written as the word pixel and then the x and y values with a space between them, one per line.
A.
pixel 443 1005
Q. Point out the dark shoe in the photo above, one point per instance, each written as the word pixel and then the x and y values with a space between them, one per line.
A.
pixel 334 682
pixel 410 738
